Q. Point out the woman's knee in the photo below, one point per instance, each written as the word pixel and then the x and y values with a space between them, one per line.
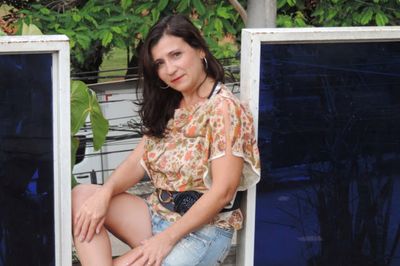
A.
pixel 80 194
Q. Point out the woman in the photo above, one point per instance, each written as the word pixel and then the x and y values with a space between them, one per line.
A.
pixel 198 149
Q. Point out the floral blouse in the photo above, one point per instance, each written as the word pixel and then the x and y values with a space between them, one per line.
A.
pixel 195 136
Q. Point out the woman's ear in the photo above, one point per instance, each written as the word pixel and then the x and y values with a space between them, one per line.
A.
pixel 202 54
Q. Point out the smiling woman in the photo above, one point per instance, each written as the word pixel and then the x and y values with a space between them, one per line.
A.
pixel 198 149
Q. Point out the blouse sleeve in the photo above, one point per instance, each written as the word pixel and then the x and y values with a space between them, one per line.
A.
pixel 242 138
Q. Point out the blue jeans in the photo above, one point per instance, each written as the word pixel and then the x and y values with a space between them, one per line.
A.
pixel 207 246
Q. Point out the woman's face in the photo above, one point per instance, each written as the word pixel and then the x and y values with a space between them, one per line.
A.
pixel 178 64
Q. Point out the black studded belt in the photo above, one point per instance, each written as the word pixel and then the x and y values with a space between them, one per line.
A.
pixel 181 202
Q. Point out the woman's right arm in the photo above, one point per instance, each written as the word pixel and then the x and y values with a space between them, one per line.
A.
pixel 128 173
pixel 92 214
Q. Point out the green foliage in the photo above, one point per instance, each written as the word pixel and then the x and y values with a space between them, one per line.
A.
pixel 219 22
pixel 301 13
pixel 99 25
pixel 84 104
pixel 30 29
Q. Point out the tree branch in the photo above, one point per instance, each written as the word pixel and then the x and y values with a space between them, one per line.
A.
pixel 239 8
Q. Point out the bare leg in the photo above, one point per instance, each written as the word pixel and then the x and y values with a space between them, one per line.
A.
pixel 128 218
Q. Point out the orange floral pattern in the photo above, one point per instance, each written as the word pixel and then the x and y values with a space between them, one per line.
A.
pixel 195 136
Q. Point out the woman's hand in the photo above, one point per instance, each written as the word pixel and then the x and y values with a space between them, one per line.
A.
pixel 152 251
pixel 92 214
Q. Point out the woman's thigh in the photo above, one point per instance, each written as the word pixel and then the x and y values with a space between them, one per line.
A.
pixel 127 217
pixel 207 246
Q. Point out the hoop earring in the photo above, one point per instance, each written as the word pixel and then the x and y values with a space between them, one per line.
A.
pixel 164 87
pixel 205 63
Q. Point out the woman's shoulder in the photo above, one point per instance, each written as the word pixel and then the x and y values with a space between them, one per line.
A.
pixel 225 92
pixel 224 95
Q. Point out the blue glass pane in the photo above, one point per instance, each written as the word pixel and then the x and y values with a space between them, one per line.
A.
pixel 329 137
pixel 26 160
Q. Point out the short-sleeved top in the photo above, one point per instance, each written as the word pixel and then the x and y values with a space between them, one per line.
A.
pixel 181 160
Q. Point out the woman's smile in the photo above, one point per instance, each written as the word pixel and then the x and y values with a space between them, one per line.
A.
pixel 175 80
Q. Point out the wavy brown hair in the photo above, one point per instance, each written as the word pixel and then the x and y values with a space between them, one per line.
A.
pixel 157 106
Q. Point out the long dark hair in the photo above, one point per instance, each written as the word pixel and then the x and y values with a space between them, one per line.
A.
pixel 157 105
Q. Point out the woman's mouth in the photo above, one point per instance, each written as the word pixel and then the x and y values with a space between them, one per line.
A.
pixel 176 79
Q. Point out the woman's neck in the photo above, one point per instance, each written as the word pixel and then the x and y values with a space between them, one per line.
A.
pixel 198 95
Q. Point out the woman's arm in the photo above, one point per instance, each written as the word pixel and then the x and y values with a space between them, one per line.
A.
pixel 91 216
pixel 226 173
pixel 128 173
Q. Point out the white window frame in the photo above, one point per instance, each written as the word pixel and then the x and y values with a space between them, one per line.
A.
pixel 58 46
pixel 250 84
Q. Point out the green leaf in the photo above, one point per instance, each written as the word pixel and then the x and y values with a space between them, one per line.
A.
pixel 183 5
pixel 223 12
pixel 72 43
pixel 197 23
pixel 228 26
pixel 381 19
pixel 99 123
pixel 106 38
pixel 218 25
pixel 118 42
pixel 2 33
pixel 83 103
pixel 299 20
pixel 144 29
pixel 200 8
pixel 155 15
pixel 280 3
pixel 319 12
pixel 44 11
pixel 143 6
pixel 74 149
pixel 91 19
pixel 332 12
pixel 76 17
pixel 291 2
pixel 30 30
pixel 83 40
pixel 80 107
pixel 284 21
pixel 125 4
pixel 117 30
pixel 366 16
pixel 162 5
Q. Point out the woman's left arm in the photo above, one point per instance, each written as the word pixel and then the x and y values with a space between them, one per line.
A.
pixel 226 173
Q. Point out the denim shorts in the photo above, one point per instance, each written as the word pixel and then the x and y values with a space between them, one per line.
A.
pixel 207 246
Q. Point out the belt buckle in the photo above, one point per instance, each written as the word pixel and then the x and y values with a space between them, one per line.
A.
pixel 160 196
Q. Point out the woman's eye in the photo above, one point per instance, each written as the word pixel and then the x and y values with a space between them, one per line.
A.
pixel 177 54
pixel 157 64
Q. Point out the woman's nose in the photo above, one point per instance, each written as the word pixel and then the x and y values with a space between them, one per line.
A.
pixel 170 67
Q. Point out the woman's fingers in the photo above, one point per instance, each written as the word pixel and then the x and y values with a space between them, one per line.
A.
pixel 137 256
pixel 158 262
pixel 84 230
pixel 91 229
pixel 100 225
pixel 78 224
